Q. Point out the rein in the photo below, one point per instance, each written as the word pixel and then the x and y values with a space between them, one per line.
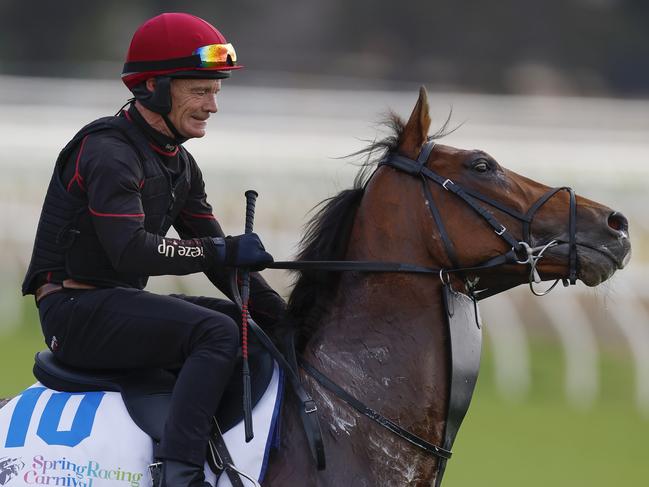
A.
pixel 327 383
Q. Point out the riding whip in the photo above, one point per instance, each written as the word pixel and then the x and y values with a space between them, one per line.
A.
pixel 251 198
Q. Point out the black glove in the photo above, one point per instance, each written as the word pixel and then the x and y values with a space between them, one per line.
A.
pixel 242 251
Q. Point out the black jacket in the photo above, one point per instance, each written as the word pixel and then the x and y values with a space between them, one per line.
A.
pixel 117 188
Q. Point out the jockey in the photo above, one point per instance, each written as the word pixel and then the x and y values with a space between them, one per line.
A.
pixel 117 188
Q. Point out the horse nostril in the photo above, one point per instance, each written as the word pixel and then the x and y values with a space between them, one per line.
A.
pixel 618 222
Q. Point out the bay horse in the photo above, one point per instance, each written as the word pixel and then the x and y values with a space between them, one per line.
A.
pixel 383 336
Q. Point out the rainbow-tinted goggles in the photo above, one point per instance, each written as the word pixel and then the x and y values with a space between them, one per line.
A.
pixel 216 55
pixel 209 57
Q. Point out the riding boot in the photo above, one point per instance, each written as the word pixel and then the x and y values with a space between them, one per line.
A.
pixel 171 473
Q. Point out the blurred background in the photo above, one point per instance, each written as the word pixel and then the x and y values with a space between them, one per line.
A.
pixel 555 90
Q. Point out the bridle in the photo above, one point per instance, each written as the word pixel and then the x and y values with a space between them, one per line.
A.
pixel 521 253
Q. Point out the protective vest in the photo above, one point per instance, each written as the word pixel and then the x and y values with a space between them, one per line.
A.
pixel 66 243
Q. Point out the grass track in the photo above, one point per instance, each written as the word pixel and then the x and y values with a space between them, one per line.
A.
pixel 545 442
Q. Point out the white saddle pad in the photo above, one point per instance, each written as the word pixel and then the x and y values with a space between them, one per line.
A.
pixel 88 440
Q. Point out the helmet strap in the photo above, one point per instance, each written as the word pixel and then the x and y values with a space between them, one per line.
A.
pixel 177 135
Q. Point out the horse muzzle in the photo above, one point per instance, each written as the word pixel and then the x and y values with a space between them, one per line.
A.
pixel 597 259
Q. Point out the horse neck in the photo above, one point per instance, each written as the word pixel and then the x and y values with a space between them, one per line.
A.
pixel 384 340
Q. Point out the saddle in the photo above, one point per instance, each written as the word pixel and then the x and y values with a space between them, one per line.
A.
pixel 147 392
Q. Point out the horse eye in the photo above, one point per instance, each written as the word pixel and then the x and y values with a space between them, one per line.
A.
pixel 481 166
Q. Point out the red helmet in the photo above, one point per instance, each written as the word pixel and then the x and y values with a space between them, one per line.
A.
pixel 177 45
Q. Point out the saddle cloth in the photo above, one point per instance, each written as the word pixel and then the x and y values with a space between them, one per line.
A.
pixel 87 439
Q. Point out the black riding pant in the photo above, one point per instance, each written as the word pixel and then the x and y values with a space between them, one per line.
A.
pixel 122 328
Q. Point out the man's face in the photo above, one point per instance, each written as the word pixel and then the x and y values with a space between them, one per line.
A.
pixel 192 102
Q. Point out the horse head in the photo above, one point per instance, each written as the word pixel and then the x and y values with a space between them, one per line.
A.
pixel 530 212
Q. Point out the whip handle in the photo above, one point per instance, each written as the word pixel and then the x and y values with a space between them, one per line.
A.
pixel 251 200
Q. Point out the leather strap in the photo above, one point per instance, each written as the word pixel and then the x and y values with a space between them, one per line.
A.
pixel 46 289
pixel 72 284
pixel 572 228
pixel 220 459
pixel 377 266
pixel 422 159
pixel 448 244
pixel 52 287
pixel 351 265
pixel 306 405
pixel 373 415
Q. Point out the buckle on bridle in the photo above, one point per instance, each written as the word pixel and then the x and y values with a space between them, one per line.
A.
pixel 502 230
pixel 310 407
pixel 445 183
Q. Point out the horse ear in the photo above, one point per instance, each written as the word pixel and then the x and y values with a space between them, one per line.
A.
pixel 416 130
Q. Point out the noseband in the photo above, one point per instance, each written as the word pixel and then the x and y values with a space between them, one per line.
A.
pixel 521 251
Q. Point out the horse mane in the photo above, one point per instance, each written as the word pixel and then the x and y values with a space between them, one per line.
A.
pixel 327 232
